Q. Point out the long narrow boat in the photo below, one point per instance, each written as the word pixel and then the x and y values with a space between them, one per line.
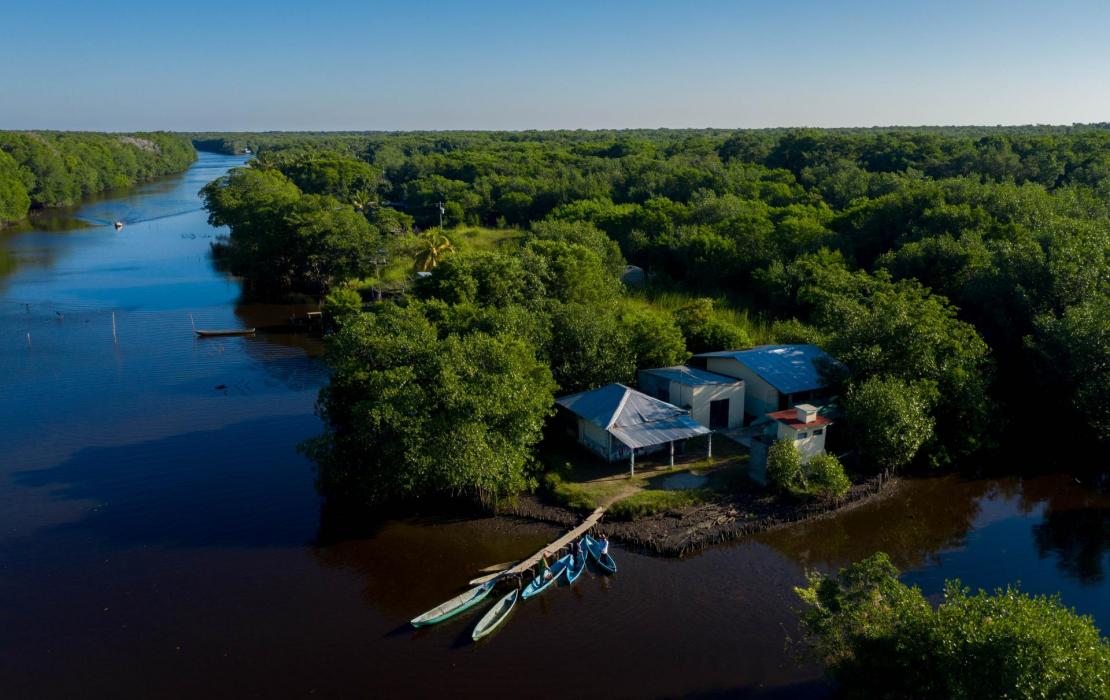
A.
pixel 577 566
pixel 602 558
pixel 454 606
pixel 496 615
pixel 540 584
pixel 216 332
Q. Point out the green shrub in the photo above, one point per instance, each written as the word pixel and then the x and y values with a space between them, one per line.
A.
pixel 826 476
pixel 652 501
pixel 882 639
pixel 342 302
pixel 784 467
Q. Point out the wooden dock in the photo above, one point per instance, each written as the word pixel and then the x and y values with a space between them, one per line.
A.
pixel 523 566
pixel 558 544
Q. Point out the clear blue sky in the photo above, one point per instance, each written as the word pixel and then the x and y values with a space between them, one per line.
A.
pixel 248 65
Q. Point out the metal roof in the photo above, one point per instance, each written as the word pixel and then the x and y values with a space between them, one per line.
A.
pixel 789 368
pixel 691 376
pixel 634 418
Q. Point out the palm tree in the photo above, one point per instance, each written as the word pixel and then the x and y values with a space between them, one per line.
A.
pixel 433 246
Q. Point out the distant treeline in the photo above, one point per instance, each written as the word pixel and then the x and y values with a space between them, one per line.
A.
pixel 52 168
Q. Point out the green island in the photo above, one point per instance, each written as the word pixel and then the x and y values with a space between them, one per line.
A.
pixel 40 169
pixel 486 290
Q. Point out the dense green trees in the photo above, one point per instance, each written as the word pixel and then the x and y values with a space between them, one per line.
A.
pixel 953 272
pixel 49 168
pixel 284 240
pixel 415 408
pixel 881 638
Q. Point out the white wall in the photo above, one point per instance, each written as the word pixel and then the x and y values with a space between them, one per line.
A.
pixel 707 393
pixel 759 396
pixel 811 445
pixel 593 437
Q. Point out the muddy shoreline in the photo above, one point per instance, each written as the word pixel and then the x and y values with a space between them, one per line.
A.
pixel 684 531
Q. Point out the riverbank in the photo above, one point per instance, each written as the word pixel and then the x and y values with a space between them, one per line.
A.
pixel 682 531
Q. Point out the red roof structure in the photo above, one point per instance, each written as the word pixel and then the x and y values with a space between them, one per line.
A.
pixel 790 417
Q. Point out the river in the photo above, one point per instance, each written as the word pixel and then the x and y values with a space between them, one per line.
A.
pixel 160 535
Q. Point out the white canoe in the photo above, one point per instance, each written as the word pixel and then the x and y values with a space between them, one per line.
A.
pixel 454 606
pixel 495 615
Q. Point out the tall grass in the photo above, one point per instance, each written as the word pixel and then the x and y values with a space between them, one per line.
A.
pixel 724 309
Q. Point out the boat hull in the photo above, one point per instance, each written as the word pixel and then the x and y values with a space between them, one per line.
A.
pixel 496 615
pixel 603 560
pixel 538 585
pixel 578 565
pixel 454 606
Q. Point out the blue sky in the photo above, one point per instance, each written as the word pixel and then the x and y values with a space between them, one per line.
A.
pixel 233 65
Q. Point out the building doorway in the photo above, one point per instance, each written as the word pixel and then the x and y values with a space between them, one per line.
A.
pixel 718 414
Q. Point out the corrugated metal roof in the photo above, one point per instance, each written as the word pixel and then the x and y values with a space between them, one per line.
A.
pixel 634 418
pixel 789 368
pixel 691 376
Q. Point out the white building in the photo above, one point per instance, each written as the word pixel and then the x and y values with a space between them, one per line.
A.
pixel 616 422
pixel 775 376
pixel 802 425
pixel 714 400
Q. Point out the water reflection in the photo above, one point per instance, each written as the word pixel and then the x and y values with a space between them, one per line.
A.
pixel 178 491
pixel 916 523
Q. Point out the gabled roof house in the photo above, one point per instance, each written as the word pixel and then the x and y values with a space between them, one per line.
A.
pixel 615 421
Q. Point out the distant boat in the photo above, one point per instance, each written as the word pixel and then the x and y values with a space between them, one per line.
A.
pixel 496 615
pixel 454 606
pixel 118 225
pixel 217 332
pixel 539 584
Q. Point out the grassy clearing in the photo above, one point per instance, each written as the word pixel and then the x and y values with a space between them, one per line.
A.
pixel 652 501
pixel 581 482
pixel 402 251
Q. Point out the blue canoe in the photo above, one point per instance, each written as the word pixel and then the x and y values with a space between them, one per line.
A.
pixel 603 559
pixel 539 584
pixel 577 566
pixel 455 606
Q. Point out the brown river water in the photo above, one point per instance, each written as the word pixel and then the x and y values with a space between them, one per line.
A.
pixel 160 537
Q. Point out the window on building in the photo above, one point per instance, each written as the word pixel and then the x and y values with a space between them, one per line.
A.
pixel 818 431
pixel 801 435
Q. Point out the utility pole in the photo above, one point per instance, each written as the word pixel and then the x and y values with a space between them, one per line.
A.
pixel 441 210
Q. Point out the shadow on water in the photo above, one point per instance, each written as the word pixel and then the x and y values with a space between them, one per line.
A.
pixel 179 492
pixel 1079 541
pixel 912 526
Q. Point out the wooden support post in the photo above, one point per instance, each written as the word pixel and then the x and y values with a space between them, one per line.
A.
pixel 672 453
pixel 632 460
pixel 710 455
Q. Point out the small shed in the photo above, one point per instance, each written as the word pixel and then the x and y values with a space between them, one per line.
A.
pixel 714 400
pixel 776 377
pixel 615 421
pixel 802 425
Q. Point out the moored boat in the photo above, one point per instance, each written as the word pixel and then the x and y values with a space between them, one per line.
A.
pixel 577 566
pixel 496 615
pixel 602 557
pixel 454 606
pixel 217 332
pixel 118 225
pixel 540 584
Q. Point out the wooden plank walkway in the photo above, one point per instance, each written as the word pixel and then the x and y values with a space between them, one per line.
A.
pixel 558 544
